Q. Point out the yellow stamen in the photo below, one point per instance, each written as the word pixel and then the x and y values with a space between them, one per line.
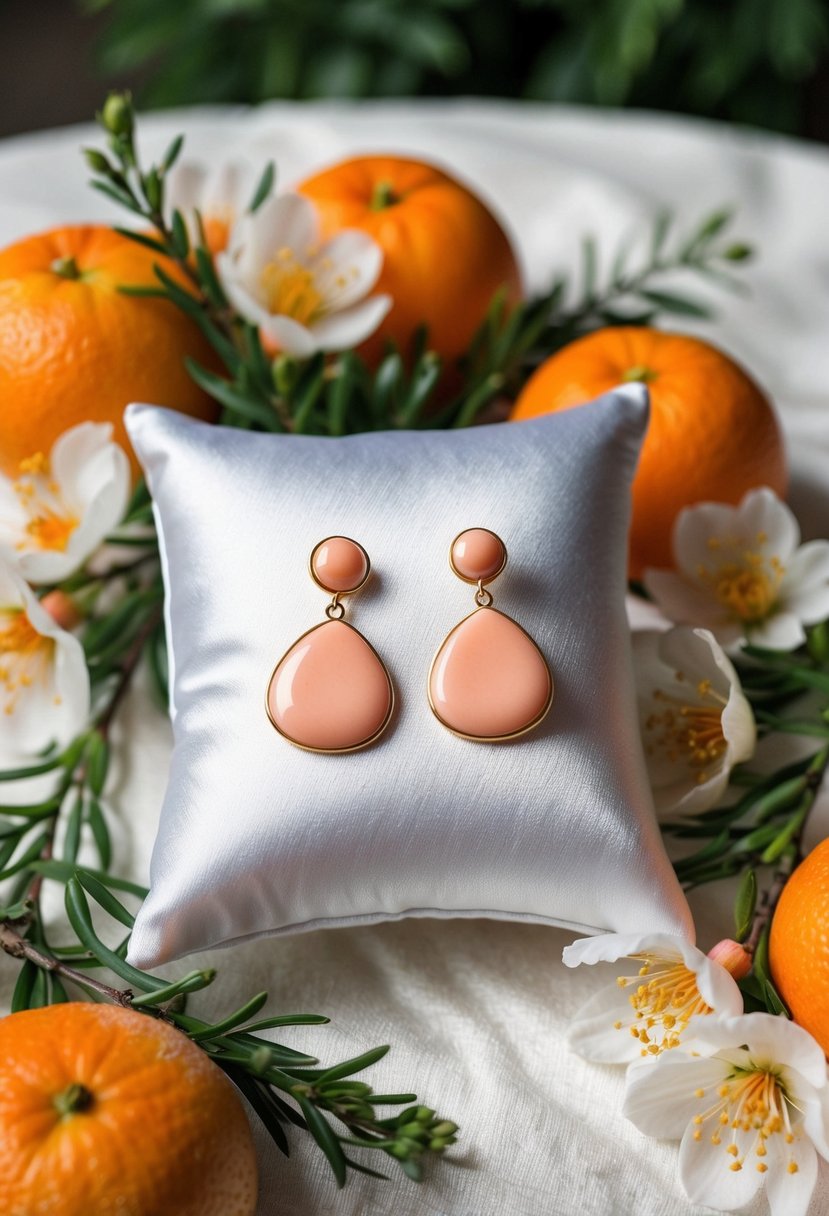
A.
pixel 662 1006
pixel 25 655
pixel 746 580
pixel 291 289
pixel 754 1100
pixel 50 522
pixel 686 727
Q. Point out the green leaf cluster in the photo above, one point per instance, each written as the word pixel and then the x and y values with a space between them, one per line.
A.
pixel 338 394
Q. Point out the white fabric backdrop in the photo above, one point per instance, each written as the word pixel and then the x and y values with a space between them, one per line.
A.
pixel 477 1011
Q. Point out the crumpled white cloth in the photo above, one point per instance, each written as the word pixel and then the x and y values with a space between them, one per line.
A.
pixel 477 1011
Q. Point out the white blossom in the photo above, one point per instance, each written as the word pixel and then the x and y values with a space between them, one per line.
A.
pixel 61 506
pixel 695 720
pixel 742 573
pixel 750 1104
pixel 661 984
pixel 304 295
pixel 219 193
pixel 44 682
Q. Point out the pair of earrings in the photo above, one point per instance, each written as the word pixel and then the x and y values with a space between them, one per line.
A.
pixel 331 692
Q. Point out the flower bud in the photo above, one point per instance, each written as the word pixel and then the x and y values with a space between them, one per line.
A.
pixel 284 373
pixel 738 252
pixel 731 955
pixel 62 609
pixel 96 160
pixel 117 115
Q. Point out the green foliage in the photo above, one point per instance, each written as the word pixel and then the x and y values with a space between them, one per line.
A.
pixel 733 59
pixel 47 840
pixel 341 395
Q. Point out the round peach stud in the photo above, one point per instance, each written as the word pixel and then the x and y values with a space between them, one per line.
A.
pixel 477 555
pixel 339 565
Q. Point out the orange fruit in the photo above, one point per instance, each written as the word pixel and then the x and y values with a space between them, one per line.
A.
pixel 444 253
pixel 799 944
pixel 75 349
pixel 108 1111
pixel 712 435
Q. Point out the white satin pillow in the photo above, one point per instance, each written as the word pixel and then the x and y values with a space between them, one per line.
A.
pixel 260 837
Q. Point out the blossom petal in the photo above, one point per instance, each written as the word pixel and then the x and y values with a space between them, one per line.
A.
pixel 805 590
pixel 690 667
pixel 679 799
pixel 226 186
pixel 789 1194
pixel 92 476
pixel 660 1093
pixel 708 1176
pixel 244 299
pixel 80 461
pixel 718 988
pixel 342 330
pixel 769 1039
pixel 608 947
pixel 809 566
pixel 809 604
pixel 593 1034
pixel 289 336
pixel 54 708
pixel 739 727
pixel 783 631
pixel 185 186
pixel 697 530
pixel 11 512
pixel 347 267
pixel 814 1102
pixel 688 604
pixel 285 221
pixel 761 514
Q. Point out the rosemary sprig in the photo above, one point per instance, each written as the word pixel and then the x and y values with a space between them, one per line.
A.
pixel 282 1084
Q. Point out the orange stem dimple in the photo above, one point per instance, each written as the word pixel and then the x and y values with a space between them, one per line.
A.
pixel 640 374
pixel 73 1100
pixel 67 268
pixel 383 196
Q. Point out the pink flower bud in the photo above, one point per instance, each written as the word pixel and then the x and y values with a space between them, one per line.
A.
pixel 62 609
pixel 731 955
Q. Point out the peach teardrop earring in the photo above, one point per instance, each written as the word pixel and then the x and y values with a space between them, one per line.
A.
pixel 330 692
pixel 488 681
